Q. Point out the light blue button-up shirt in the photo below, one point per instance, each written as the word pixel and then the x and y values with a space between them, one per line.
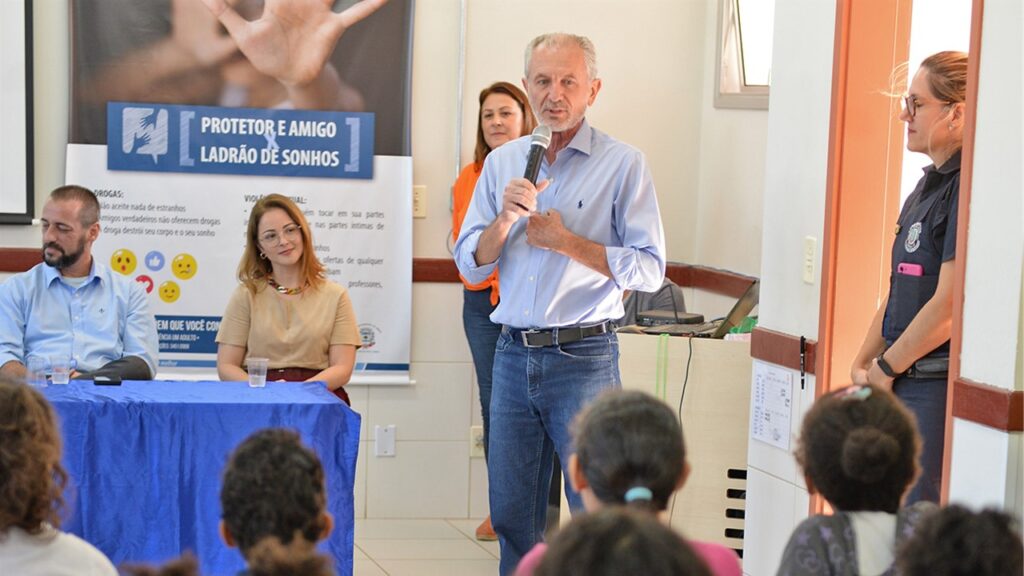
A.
pixel 105 319
pixel 604 192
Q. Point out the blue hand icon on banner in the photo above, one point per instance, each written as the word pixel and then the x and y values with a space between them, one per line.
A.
pixel 144 131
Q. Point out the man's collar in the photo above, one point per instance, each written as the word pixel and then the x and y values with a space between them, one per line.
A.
pixel 583 139
pixel 50 273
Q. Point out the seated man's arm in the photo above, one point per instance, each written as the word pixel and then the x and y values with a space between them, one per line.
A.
pixel 140 339
pixel 12 331
pixel 127 368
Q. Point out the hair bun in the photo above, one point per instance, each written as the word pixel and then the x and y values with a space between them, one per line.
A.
pixel 868 453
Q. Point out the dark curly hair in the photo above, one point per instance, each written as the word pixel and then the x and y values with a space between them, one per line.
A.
pixel 271 558
pixel 615 541
pixel 957 542
pixel 629 439
pixel 859 447
pixel 273 486
pixel 32 479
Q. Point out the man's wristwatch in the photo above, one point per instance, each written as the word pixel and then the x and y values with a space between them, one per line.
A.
pixel 884 366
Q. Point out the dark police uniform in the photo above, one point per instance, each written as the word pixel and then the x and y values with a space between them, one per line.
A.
pixel 925 238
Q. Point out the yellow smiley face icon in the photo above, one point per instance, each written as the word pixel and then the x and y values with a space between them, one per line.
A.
pixel 183 266
pixel 123 261
pixel 169 291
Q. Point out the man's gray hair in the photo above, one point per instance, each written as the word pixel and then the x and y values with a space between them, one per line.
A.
pixel 558 39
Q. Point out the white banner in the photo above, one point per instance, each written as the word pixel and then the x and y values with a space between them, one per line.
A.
pixel 182 236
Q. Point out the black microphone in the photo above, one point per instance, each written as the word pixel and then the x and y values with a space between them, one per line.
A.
pixel 539 143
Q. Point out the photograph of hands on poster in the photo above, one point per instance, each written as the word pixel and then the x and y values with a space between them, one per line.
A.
pixel 179 52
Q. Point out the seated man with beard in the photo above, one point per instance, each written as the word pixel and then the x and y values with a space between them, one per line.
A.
pixel 73 307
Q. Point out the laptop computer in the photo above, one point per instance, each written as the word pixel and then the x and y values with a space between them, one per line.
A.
pixel 715 328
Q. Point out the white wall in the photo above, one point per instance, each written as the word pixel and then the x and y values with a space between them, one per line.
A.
pixel 991 351
pixel 794 207
pixel 731 181
pixel 796 162
pixel 653 57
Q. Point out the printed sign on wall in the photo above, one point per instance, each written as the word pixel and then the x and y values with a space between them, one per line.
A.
pixel 250 141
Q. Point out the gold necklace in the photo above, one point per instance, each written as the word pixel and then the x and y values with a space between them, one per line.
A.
pixel 281 289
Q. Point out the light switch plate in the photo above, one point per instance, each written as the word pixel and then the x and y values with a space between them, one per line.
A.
pixel 384 441
pixel 419 201
pixel 810 250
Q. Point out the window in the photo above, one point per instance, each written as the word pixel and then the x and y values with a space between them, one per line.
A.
pixel 744 53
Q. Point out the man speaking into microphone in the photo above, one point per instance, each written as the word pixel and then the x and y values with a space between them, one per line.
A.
pixel 568 245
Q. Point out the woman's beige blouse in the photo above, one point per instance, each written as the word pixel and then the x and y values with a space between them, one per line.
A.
pixel 291 332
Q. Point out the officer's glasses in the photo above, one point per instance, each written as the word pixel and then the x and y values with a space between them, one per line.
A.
pixel 911 104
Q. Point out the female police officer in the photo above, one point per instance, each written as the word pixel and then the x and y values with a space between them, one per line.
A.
pixel 907 346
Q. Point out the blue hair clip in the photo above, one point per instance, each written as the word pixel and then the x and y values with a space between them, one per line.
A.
pixel 638 493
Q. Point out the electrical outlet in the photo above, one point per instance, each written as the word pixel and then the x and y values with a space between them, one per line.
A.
pixel 419 201
pixel 476 441
pixel 810 249
pixel 384 440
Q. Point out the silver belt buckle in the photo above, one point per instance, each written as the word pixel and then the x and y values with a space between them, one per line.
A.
pixel 525 336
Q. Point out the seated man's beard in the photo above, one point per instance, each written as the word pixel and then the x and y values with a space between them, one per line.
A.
pixel 64 260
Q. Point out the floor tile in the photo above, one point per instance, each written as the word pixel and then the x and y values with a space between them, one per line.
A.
pixel 394 529
pixel 462 549
pixel 493 548
pixel 358 554
pixel 436 567
pixel 467 526
pixel 367 568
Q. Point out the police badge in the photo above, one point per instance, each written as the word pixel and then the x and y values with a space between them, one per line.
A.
pixel 913 238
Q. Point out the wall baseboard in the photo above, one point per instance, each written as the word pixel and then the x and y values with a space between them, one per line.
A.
pixel 14 260
pixel 988 405
pixel 715 280
pixel 782 349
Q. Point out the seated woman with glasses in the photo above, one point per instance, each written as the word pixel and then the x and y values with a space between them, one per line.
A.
pixel 285 309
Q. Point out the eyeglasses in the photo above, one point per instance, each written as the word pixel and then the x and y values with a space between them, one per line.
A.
pixel 271 238
pixel 911 104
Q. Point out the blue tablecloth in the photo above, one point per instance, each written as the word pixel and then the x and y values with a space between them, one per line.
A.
pixel 145 460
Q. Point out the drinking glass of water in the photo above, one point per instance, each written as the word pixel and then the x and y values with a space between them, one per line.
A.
pixel 60 369
pixel 257 368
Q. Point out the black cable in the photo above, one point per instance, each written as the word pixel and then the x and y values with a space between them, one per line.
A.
pixel 682 395
pixel 686 377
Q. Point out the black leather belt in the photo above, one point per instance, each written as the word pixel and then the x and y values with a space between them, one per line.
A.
pixel 539 338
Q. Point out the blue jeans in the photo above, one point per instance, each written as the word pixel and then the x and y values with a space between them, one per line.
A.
pixel 927 400
pixel 482 335
pixel 537 392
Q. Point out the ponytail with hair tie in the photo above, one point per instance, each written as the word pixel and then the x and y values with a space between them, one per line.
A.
pixel 638 493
